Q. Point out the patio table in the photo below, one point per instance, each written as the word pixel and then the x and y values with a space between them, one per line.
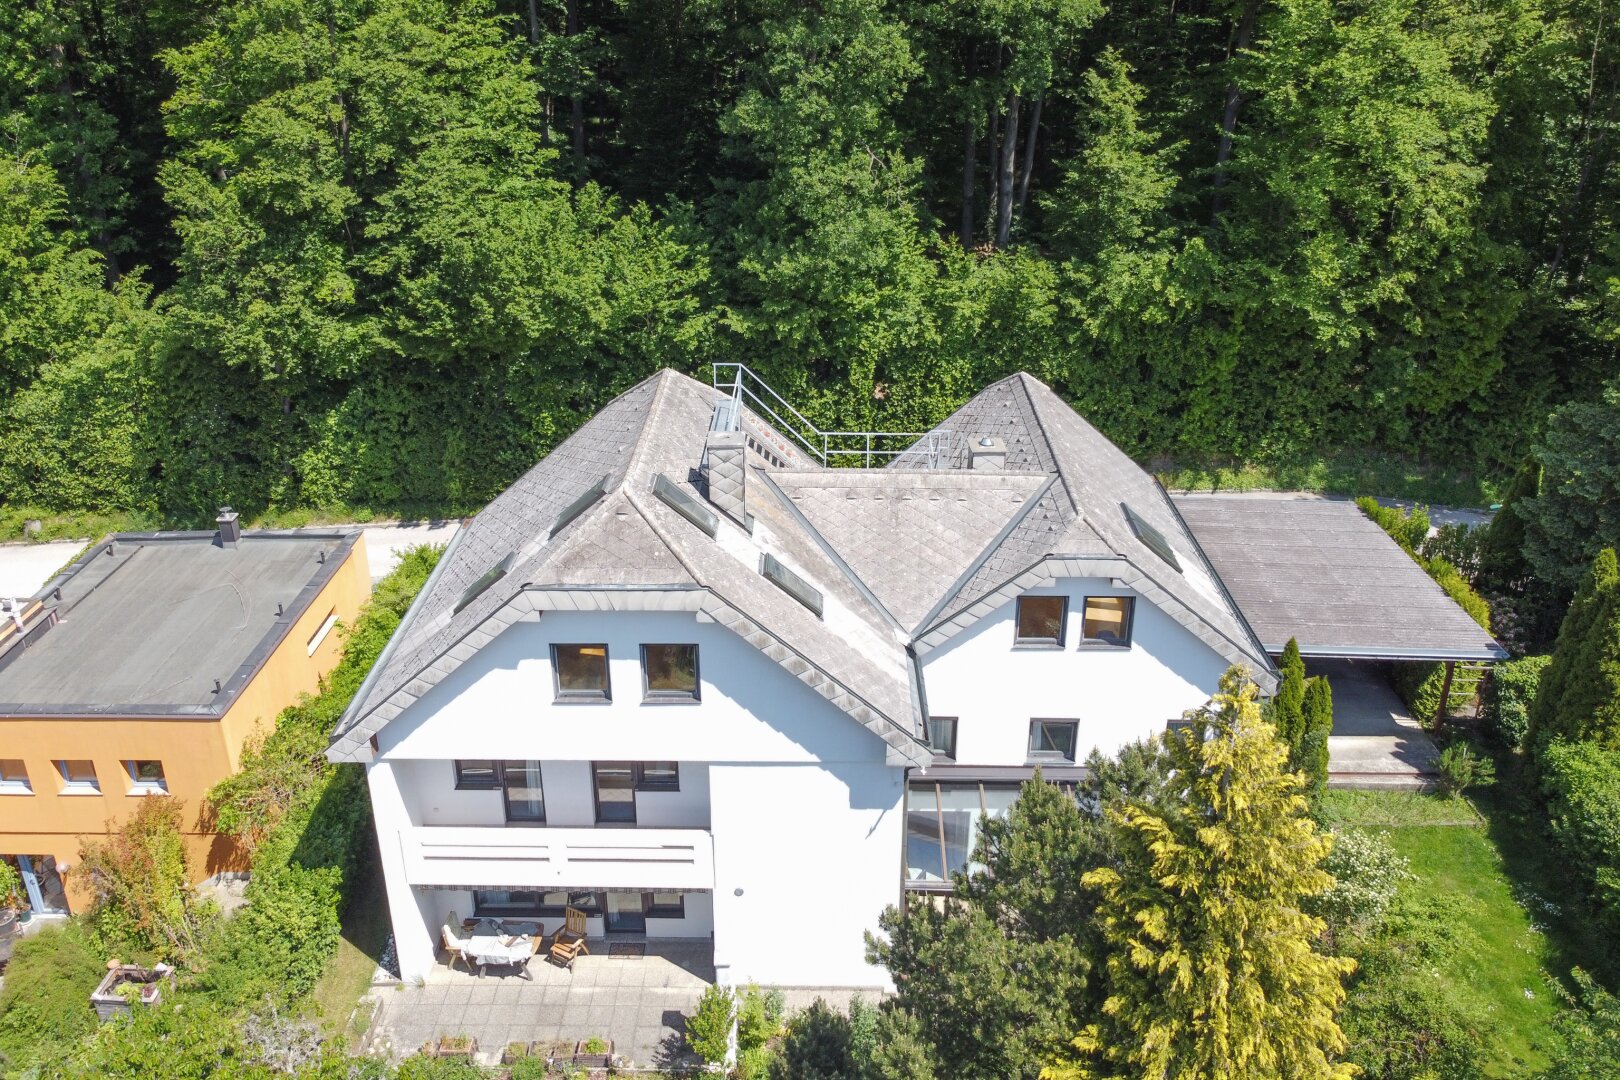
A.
pixel 486 948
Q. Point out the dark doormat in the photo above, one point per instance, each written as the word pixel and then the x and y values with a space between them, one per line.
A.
pixel 624 950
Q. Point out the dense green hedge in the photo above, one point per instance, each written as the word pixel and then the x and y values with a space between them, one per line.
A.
pixel 1507 705
pixel 280 943
pixel 45 1003
pixel 1581 782
pixel 1420 683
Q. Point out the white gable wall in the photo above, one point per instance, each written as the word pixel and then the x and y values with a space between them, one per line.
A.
pixel 805 815
pixel 995 688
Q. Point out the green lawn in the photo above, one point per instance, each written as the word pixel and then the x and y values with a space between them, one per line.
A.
pixel 365 933
pixel 1466 861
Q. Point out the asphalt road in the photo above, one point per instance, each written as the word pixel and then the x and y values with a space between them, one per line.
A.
pixel 25 568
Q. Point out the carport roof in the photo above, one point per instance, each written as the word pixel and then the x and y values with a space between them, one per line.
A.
pixel 1319 571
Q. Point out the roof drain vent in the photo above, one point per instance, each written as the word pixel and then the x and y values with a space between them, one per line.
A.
pixel 230 527
pixel 989 452
pixel 725 462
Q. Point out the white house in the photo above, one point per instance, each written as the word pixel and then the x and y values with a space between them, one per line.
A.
pixel 688 678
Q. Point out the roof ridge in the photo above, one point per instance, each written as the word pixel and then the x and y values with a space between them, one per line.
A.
pixel 663 377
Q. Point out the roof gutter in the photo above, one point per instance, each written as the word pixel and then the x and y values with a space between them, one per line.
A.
pixel 351 715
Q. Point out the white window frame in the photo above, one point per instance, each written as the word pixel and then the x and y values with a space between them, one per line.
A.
pixel 137 786
pixel 320 635
pixel 11 785
pixel 78 787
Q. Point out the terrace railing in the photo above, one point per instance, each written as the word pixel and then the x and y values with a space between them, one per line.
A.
pixel 929 448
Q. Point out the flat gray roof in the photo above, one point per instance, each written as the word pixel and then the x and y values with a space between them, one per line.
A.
pixel 149 621
pixel 1318 570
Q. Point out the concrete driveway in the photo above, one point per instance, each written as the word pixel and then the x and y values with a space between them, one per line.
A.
pixel 25 568
pixel 1374 742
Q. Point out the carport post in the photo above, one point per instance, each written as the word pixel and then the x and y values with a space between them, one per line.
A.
pixel 1445 695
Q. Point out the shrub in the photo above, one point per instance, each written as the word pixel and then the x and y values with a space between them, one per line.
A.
pixel 1410 528
pixel 45 1002
pixel 1400 1018
pixel 1582 784
pixel 1578 696
pixel 1457 544
pixel 1316 727
pixel 708 1029
pixel 1367 874
pixel 1591 1034
pixel 1461 768
pixel 1507 706
pixel 141 878
pixel 759 1018
pixel 1419 683
pixel 11 886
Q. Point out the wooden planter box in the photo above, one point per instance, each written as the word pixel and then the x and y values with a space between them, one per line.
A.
pixel 109 1003
pixel 593 1061
pixel 452 1046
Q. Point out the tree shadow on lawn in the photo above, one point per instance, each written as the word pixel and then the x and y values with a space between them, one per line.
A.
pixel 1543 881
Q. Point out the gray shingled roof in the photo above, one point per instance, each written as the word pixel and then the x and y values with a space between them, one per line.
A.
pixel 630 548
pixel 1321 572
pixel 908 535
pixel 1084 514
pixel 902 555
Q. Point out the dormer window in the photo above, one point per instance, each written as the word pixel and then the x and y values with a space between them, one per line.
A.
pixel 1040 620
pixel 1107 622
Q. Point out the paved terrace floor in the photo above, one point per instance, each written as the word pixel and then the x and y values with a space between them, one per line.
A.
pixel 1374 742
pixel 638 1002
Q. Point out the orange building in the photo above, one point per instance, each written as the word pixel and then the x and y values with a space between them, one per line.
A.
pixel 143 668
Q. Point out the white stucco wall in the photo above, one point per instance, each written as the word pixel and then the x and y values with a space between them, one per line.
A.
pixel 1118 695
pixel 791 789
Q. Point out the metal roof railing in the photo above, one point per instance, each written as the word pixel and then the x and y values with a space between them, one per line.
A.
pixel 747 388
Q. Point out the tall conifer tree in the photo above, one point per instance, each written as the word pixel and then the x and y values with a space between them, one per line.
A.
pixel 1579 694
pixel 1213 970
pixel 1287 708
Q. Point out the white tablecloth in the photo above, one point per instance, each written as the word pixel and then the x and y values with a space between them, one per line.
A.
pixel 494 949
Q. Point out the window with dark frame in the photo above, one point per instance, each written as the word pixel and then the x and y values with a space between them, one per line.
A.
pixel 582 672
pixel 524 903
pixel 1053 740
pixel 666 905
pixel 669 672
pixel 615 784
pixel 1107 621
pixel 475 775
pixel 1040 620
pixel 942 735
pixel 522 792
pixel 658 776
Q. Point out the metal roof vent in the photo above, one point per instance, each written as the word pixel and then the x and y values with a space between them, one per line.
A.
pixel 230 527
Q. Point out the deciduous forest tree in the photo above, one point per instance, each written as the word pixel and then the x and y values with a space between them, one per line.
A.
pixel 369 252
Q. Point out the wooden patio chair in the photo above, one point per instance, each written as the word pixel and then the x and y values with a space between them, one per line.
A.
pixel 455 945
pixel 570 940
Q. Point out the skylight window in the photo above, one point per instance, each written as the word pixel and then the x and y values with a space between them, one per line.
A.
pixel 1151 537
pixel 578 506
pixel 791 583
pixel 481 586
pixel 686 506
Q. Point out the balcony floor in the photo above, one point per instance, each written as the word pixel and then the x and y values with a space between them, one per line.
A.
pixel 640 1003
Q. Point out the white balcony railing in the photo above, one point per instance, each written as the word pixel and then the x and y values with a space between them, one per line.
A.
pixel 544 858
